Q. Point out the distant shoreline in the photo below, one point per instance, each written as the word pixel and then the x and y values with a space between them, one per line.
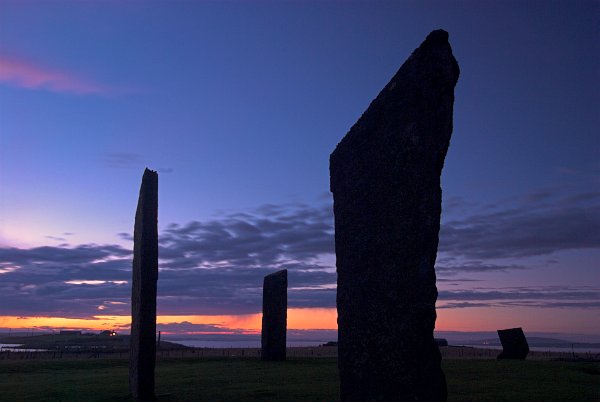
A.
pixel 448 353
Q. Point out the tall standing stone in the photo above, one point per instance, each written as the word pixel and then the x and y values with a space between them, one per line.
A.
pixel 142 349
pixel 385 179
pixel 274 319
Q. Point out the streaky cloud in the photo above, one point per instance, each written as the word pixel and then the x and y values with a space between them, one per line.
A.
pixel 23 73
pixel 537 227
pixel 216 266
pixel 582 297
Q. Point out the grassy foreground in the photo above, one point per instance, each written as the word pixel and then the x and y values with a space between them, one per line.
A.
pixel 301 379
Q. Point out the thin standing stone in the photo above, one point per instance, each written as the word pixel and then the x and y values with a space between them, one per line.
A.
pixel 385 179
pixel 274 319
pixel 142 349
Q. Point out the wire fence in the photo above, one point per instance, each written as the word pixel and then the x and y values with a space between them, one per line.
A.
pixel 297 352
pixel 448 352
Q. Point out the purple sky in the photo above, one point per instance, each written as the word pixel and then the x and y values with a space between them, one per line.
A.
pixel 238 106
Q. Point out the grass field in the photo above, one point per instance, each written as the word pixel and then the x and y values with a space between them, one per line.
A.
pixel 297 379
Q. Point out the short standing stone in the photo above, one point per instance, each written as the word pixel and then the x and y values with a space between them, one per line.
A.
pixel 274 319
pixel 142 349
pixel 514 344
pixel 385 179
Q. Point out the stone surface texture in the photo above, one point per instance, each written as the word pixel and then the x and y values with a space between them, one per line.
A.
pixel 274 319
pixel 385 179
pixel 514 344
pixel 142 349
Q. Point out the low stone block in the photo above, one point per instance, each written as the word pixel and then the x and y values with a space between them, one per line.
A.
pixel 514 344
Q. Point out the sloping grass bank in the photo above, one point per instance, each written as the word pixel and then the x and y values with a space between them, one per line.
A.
pixel 294 380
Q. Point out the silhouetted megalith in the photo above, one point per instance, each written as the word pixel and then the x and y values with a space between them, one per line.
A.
pixel 142 349
pixel 514 344
pixel 274 319
pixel 385 179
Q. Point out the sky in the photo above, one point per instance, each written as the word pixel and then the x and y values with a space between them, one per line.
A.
pixel 238 105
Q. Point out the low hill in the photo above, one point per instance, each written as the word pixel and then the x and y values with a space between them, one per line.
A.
pixel 83 341
pixel 535 341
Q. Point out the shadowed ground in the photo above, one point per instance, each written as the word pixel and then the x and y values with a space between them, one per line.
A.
pixel 293 380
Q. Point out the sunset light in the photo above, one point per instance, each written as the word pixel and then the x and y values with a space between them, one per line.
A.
pixel 304 318
pixel 299 200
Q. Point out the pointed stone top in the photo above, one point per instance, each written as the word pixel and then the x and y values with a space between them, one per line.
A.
pixel 149 171
pixel 434 56
pixel 437 36
pixel 414 97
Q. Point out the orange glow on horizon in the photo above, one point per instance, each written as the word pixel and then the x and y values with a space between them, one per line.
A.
pixel 98 323
pixel 312 318
pixel 298 318
pixel 462 319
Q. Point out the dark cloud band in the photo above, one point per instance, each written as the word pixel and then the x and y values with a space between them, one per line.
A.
pixel 217 266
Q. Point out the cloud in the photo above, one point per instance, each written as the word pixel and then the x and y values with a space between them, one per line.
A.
pixel 123 160
pixel 539 296
pixel 454 305
pixel 27 74
pixel 269 236
pixel 217 266
pixel 129 160
pixel 187 328
pixel 125 236
pixel 450 266
pixel 56 238
pixel 212 267
pixel 542 225
pixel 37 281
pixel 221 263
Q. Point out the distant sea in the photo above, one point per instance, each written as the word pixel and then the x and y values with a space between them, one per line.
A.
pixel 578 351
pixel 14 347
pixel 200 343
